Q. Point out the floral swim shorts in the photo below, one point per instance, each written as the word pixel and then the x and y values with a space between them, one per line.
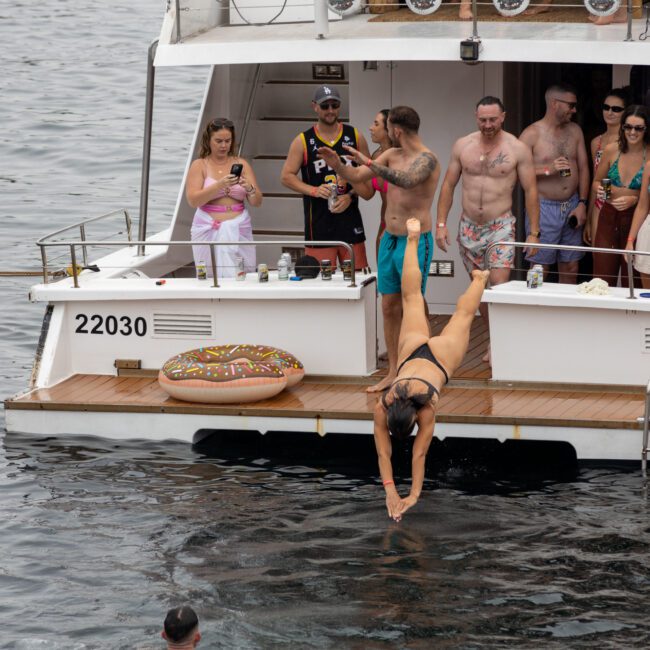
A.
pixel 474 238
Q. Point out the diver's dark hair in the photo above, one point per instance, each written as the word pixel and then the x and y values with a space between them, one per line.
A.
pixel 402 411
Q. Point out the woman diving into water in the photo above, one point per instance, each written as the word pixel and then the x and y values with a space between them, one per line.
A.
pixel 425 365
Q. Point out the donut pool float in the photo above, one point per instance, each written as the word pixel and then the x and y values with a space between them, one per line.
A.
pixel 228 374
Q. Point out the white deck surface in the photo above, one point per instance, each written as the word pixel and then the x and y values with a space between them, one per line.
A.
pixel 357 39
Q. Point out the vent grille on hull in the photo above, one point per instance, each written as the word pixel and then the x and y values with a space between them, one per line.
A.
pixel 183 325
pixel 645 343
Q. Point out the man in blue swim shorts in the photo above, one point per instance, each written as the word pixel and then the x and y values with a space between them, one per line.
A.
pixel 412 172
pixel 562 171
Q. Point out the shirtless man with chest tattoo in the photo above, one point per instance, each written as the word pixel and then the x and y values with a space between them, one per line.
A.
pixel 412 172
pixel 490 161
pixel 562 171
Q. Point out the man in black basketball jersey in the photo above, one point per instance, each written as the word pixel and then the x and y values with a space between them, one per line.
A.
pixel 343 222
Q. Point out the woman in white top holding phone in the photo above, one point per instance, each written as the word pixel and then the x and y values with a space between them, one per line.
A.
pixel 219 184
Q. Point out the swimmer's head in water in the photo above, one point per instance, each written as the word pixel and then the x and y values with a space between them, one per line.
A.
pixel 402 411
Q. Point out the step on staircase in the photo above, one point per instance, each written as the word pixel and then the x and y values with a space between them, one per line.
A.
pixel 282 110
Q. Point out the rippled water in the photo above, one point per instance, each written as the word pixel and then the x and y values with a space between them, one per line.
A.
pixel 277 544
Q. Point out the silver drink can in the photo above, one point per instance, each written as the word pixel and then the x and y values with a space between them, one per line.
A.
pixel 540 274
pixel 326 269
pixel 532 279
pixel 262 272
pixel 201 271
pixel 333 197
pixel 287 257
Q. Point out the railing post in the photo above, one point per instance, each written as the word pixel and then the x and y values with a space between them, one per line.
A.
pixel 628 37
pixel 44 262
pixel 73 257
pixel 84 248
pixel 321 20
pixel 213 262
pixel 146 146
pixel 630 276
pixel 127 219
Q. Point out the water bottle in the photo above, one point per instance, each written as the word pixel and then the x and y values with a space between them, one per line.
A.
pixel 283 269
pixel 287 257
pixel 240 273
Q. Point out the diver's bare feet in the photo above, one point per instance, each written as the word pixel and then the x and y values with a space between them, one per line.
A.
pixel 382 385
pixel 538 8
pixel 483 276
pixel 465 11
pixel 413 228
pixel 619 16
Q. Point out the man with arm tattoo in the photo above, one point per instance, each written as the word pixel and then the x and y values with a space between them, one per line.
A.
pixel 412 172
pixel 490 161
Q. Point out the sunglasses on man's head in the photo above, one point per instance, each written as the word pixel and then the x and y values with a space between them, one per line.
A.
pixel 634 127
pixel 327 105
pixel 614 109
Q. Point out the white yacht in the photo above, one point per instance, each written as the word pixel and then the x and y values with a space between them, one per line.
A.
pixel 567 368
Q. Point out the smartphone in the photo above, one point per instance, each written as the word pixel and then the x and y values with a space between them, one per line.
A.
pixel 236 169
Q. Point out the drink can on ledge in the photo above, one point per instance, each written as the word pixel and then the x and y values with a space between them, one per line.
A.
pixel 532 278
pixel 606 184
pixel 262 272
pixel 283 269
pixel 201 271
pixel 347 269
pixel 240 274
pixel 326 269
pixel 540 274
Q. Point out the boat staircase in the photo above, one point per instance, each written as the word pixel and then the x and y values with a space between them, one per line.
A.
pixel 278 109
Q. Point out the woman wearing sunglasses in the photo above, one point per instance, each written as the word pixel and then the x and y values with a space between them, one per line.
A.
pixel 640 230
pixel 612 108
pixel 623 164
pixel 219 184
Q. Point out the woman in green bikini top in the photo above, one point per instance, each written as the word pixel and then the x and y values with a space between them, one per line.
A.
pixel 623 164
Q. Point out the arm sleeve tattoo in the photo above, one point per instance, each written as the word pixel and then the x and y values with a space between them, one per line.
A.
pixel 421 168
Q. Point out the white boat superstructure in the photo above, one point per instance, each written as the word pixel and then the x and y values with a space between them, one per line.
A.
pixel 107 331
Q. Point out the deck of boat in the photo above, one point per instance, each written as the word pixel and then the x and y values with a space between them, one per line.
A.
pixel 469 398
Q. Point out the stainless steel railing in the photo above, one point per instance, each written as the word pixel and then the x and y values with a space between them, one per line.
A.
pixel 586 249
pixel 44 242
pixel 72 246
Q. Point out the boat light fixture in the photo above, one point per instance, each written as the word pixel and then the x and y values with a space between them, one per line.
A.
pixel 423 7
pixel 469 49
pixel 602 7
pixel 510 7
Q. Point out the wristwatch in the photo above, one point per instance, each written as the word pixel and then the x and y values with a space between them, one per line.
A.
pixel 585 201
pixel 536 233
